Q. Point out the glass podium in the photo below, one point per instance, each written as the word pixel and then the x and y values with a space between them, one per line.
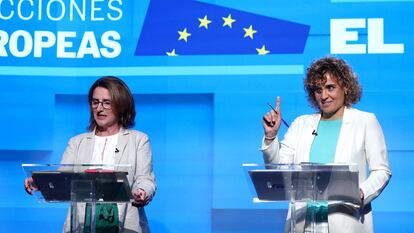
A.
pixel 82 185
pixel 302 185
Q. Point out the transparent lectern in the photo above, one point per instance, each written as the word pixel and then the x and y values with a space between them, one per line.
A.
pixel 301 184
pixel 82 185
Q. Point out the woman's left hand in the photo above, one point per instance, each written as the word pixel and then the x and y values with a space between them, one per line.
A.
pixel 140 198
pixel 29 186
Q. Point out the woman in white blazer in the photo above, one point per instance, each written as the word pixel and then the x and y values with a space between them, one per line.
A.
pixel 112 112
pixel 336 134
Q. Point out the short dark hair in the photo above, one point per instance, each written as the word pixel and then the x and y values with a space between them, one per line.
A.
pixel 122 101
pixel 343 74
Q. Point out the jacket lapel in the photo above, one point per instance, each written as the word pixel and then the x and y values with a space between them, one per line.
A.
pixel 344 133
pixel 121 145
pixel 88 153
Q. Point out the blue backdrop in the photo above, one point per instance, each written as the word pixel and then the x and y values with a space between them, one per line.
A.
pixel 201 109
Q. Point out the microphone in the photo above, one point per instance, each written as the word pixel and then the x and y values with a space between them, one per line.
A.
pixel 314 133
pixel 116 150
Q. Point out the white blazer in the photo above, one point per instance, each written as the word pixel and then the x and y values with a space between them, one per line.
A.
pixel 135 149
pixel 360 141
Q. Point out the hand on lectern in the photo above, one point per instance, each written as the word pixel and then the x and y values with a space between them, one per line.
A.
pixel 361 194
pixel 29 185
pixel 140 198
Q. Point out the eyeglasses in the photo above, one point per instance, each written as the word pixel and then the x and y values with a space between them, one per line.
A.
pixel 106 104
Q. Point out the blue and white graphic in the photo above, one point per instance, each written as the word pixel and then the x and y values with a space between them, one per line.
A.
pixel 193 28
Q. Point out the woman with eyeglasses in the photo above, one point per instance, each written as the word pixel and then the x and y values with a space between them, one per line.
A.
pixel 111 141
pixel 336 133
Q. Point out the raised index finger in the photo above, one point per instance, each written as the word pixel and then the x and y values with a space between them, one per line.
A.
pixel 278 103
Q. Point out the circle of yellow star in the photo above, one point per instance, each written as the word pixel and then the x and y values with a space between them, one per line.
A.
pixel 228 21
pixel 262 50
pixel 249 32
pixel 184 35
pixel 172 53
pixel 204 22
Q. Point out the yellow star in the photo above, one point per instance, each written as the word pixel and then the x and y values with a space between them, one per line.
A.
pixel 249 32
pixel 172 53
pixel 262 50
pixel 184 35
pixel 204 22
pixel 228 21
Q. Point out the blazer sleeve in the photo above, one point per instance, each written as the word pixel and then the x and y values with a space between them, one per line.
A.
pixel 284 151
pixel 144 175
pixel 377 159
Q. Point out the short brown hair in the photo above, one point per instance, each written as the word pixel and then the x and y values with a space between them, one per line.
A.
pixel 340 70
pixel 122 101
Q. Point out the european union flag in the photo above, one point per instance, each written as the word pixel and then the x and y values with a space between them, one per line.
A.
pixel 184 27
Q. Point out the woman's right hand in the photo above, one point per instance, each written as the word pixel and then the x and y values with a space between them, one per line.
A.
pixel 29 186
pixel 271 122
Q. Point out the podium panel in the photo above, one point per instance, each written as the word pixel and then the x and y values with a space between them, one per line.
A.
pixel 305 185
pixel 84 186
